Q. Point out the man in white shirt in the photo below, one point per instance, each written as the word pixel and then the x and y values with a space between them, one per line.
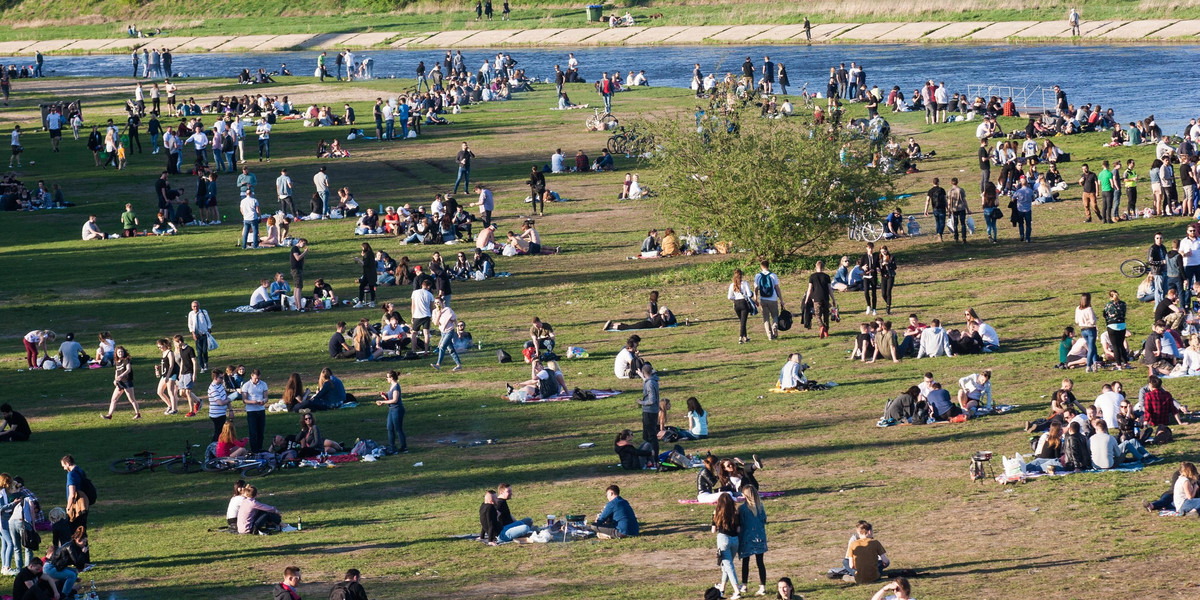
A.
pixel 199 141
pixel 250 216
pixel 1189 248
pixel 422 313
pixel 446 321
pixel 261 298
pixel 972 389
pixel 54 123
pixel 239 136
pixel 934 341
pixel 254 394
pixel 199 324
pixel 321 182
pixel 1109 404
pixel 556 161
pixel 264 140
pixel 926 385
pixel 991 340
pixel 628 362
pixel 91 231
pixel 283 189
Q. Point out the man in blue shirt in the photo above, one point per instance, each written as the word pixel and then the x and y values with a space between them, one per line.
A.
pixel 77 500
pixel 617 519
pixel 280 291
pixel 1023 199
pixel 940 405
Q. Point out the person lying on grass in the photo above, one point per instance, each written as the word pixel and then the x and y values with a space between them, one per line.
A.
pixel 663 318
pixel 546 382
pixel 633 458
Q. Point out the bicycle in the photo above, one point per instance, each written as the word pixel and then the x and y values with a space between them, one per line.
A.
pixel 600 121
pixel 178 463
pixel 629 142
pixel 868 231
pixel 218 465
pixel 1134 268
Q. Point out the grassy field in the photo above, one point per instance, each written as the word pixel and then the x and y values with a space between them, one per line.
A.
pixel 109 18
pixel 392 519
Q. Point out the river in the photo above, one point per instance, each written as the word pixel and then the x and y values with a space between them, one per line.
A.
pixel 1127 78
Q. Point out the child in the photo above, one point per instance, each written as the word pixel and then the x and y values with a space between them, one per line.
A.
pixel 121 157
pixel 1064 347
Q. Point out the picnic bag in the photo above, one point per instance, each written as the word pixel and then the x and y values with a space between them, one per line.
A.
pixel 785 320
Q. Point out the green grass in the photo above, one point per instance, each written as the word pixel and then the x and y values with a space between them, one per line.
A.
pixel 391 519
pixel 109 18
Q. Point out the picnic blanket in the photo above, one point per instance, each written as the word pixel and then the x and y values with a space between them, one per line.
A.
pixel 812 385
pixel 663 327
pixel 244 309
pixel 565 396
pixel 735 498
pixel 997 409
pixel 1124 468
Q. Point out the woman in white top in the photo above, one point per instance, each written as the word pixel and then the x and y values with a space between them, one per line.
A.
pixel 743 300
pixel 104 351
pixel 1085 318
pixel 35 345
pixel 697 419
pixel 1185 489
pixel 1191 358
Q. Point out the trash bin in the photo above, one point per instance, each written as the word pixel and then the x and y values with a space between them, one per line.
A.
pixel 594 12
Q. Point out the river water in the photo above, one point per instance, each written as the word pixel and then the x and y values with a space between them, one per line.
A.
pixel 1130 79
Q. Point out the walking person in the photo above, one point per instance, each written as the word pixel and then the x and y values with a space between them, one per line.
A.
pixel 1114 318
pixel 752 541
pixel 727 526
pixel 1085 319
pixel 958 209
pixel 870 278
pixel 807 30
pixel 122 383
pixel 743 299
pixel 463 160
pixel 395 415
pixel 770 298
pixel 369 278
pixel 887 275
pixel 820 293
pixel 16 147
pixel 990 204
pixel 199 324
pixel 446 321
pixel 935 199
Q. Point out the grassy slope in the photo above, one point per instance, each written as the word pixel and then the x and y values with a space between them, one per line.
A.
pixel 109 18
pixel 391 518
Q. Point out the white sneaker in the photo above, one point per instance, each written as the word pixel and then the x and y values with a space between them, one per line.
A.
pixel 358 305
pixel 867 312
pixel 762 591
pixel 735 595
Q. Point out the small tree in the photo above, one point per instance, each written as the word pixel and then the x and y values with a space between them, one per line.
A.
pixel 776 187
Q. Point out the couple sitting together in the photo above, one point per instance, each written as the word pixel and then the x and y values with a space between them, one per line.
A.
pixel 928 402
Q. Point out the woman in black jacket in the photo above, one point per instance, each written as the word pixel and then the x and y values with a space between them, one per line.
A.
pixel 370 275
pixel 633 458
pixel 68 560
pixel 537 187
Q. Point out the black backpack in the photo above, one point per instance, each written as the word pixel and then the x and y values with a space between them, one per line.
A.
pixel 341 591
pixel 503 357
pixel 785 320
pixel 89 489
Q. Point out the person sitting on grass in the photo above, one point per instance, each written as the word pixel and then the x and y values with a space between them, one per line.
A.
pixel 330 395
pixel 905 408
pixel 899 589
pixel 865 556
pixel 489 519
pixel 791 376
pixel 13 425
pixel 162 226
pixel 516 245
pixel 1108 454
pixel 864 344
pixel 231 511
pixel 312 443
pixel 972 389
pixel 254 516
pixel 68 561
pixel 228 444
pixel 628 362
pixel 940 406
pixel 934 341
pixel 617 520
pixel 1155 354
pixel 32 583
pixel 546 382
pixel 633 458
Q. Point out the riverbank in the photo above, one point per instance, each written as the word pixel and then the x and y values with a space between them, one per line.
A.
pixel 922 32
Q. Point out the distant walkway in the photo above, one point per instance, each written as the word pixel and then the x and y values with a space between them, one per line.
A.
pixel 1158 30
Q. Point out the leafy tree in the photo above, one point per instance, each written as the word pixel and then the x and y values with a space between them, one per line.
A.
pixel 775 187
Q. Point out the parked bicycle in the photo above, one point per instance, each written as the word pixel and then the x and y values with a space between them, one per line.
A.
pixel 600 121
pixel 630 142
pixel 866 231
pixel 1134 268
pixel 177 463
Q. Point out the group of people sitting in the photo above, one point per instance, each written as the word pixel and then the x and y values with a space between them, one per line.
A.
pixel 582 164
pixel 877 340
pixel 497 525
pixel 928 402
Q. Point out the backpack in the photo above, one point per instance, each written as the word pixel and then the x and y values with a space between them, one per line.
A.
pixel 503 357
pixel 89 489
pixel 765 286
pixel 579 394
pixel 1162 435
pixel 785 320
pixel 341 591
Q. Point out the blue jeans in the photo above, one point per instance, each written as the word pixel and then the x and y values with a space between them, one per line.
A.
pixel 1089 335
pixel 516 529
pixel 1160 287
pixel 67 576
pixel 1189 505
pixel 939 222
pixel 1190 275
pixel 219 157
pixel 264 148
pixel 229 160
pixel 8 547
pixel 247 227
pixel 413 239
pixel 404 129
pixel 324 194
pixel 989 217
pixel 1025 224
pixel 389 130
pixel 395 427
pixel 726 546
pixel 1133 447
pixel 447 341
pixel 422 79
pixel 464 176
pixel 607 102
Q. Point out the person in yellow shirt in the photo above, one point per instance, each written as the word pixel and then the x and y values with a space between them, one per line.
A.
pixel 670 243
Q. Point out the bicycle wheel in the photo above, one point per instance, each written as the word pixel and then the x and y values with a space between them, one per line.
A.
pixel 1134 268
pixel 872 231
pixel 614 145
pixel 259 470
pixel 126 466
pixel 183 466
pixel 214 465
pixel 608 121
pixel 591 123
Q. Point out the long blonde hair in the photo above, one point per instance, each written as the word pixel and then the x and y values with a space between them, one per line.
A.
pixel 754 501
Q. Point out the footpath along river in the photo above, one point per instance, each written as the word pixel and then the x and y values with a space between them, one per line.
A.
pixel 1135 81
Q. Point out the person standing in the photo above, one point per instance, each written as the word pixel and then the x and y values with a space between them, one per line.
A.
pixel 395 415
pixel 606 91
pixel 770 298
pixel 78 502
pixel 887 275
pixel 246 182
pixel 1114 318
pixel 1156 259
pixel 820 293
pixel 369 278
pixel 752 542
pixel 135 62
pixel 504 12
pixel 1129 182
pixel 254 395
pixel 263 130
pixel 283 190
pixel 185 357
pixel 446 321
pixel 742 296
pixel 1073 21
pixel 463 160
pixel 935 198
pixel 650 409
pixel 783 79
pixel 486 203
pixel 1022 198
pixel 768 73
pixel 985 165
pixel 421 79
pixel 296 260
pixel 958 209
pixel 166 63
pixel 870 278
pixel 389 118
pixel 421 308
pixel 199 324
pixel 38 61
pixel 1105 180
pixel 16 147
pixel 122 382
pixel 250 217
pixel 54 123
pixel 321 67
pixel 1085 319
pixel 321 182
pixel 218 403
pixel 990 203
pixel 1189 249
pixel 727 526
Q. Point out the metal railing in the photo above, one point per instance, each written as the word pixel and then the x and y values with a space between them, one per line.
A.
pixel 1024 97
